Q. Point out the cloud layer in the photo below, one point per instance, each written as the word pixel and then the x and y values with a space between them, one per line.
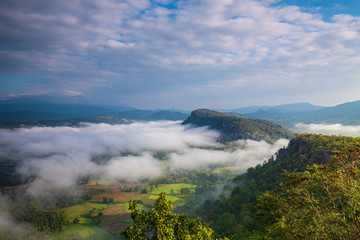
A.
pixel 58 157
pixel 329 129
pixel 151 53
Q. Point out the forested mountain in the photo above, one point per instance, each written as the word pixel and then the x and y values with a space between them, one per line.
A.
pixel 347 113
pixel 234 128
pixel 238 216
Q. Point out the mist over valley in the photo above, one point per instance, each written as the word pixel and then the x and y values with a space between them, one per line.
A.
pixel 98 164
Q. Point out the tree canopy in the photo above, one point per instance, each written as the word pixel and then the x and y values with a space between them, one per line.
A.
pixel 162 223
pixel 321 203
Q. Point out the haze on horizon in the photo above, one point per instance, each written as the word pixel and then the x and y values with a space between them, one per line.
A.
pixel 180 54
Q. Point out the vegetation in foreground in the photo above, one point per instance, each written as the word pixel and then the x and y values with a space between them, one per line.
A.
pixel 161 223
pixel 321 203
pixel 236 217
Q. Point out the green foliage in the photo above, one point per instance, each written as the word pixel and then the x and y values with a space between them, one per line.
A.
pixel 76 220
pixel 83 230
pixel 185 191
pixel 302 151
pixel 105 199
pixel 161 223
pixel 31 211
pixel 20 232
pixel 321 203
pixel 234 128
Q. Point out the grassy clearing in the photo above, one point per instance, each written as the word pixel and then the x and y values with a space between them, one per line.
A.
pixel 83 229
pixel 174 199
pixel 175 187
pixel 78 210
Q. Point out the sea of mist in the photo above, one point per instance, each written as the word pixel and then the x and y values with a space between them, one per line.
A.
pixel 328 129
pixel 57 157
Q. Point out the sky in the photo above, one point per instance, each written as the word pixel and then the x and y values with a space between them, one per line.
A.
pixel 180 54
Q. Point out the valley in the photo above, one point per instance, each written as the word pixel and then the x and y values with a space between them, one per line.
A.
pixel 213 165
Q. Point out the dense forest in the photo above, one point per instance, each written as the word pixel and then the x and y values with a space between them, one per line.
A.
pixel 235 127
pixel 257 204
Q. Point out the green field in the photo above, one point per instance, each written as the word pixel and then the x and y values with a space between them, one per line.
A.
pixel 175 187
pixel 175 197
pixel 84 229
pixel 78 210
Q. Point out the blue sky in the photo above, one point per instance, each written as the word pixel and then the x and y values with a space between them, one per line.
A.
pixel 181 54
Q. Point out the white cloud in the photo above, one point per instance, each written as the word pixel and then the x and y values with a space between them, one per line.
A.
pixel 116 44
pixel 247 153
pixel 329 129
pixel 59 157
pixel 132 168
pixel 144 42
pixel 72 93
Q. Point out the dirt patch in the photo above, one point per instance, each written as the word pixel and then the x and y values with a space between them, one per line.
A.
pixel 94 191
pixel 115 219
pixel 117 195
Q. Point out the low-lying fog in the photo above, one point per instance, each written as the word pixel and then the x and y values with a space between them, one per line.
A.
pixel 328 129
pixel 57 157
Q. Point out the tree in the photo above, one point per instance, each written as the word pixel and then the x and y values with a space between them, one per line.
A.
pixel 52 220
pixel 320 203
pixel 161 223
pixel 105 199
pixel 185 191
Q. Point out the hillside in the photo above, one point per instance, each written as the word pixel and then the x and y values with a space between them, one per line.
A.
pixel 347 113
pixel 234 127
pixel 236 210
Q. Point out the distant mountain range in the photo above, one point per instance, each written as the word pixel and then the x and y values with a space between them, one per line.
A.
pixel 346 113
pixel 296 107
pixel 53 111
pixel 234 127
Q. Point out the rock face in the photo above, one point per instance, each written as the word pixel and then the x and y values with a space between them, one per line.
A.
pixel 234 128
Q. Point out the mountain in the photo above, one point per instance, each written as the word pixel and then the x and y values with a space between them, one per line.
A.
pixel 294 107
pixel 347 113
pixel 135 114
pixel 234 128
pixel 233 216
pixel 40 111
pixel 51 111
pixel 168 115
